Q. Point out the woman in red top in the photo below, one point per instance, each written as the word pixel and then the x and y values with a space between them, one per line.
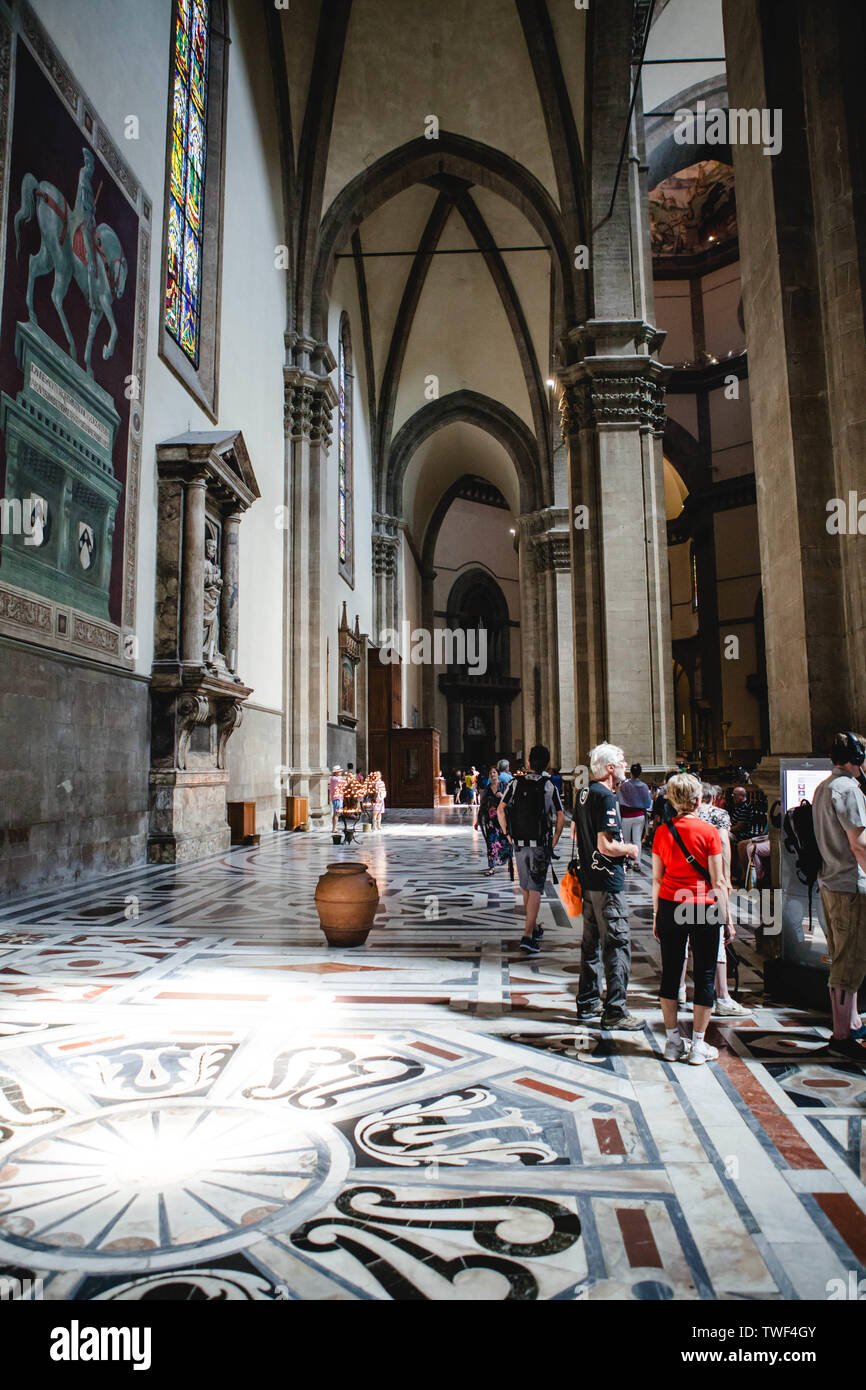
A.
pixel 690 903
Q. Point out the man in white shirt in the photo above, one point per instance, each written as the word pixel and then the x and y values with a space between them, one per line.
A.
pixel 839 819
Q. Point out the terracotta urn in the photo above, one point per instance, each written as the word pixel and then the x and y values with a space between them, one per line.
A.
pixel 346 901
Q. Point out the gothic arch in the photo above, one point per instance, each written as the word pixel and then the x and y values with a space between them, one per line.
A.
pixel 420 161
pixel 475 409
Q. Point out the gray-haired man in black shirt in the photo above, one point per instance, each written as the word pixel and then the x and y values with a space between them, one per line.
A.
pixel 602 855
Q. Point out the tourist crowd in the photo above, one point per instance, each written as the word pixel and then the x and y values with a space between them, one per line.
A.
pixel 702 842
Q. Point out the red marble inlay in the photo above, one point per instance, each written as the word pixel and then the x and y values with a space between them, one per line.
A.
pixel 639 1241
pixel 608 1137
pixel 392 999
pixel 788 1140
pixel 90 1042
pixel 848 1219
pixel 826 1085
pixel 437 1051
pixel 548 1090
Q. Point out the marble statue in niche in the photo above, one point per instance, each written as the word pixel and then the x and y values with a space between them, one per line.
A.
pixel 213 583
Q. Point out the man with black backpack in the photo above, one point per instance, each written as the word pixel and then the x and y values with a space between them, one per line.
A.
pixel 531 815
pixel 839 819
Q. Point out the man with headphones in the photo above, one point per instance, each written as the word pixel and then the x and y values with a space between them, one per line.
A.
pixel 839 818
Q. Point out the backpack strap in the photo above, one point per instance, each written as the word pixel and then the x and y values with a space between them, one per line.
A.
pixel 690 857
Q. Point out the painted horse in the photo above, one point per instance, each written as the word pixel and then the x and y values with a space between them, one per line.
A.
pixel 101 281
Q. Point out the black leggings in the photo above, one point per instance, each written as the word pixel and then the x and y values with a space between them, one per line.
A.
pixel 674 938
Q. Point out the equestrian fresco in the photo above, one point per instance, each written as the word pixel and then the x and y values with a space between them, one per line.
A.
pixel 74 247
pixel 70 366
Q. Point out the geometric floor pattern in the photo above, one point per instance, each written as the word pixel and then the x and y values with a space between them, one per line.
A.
pixel 199 1099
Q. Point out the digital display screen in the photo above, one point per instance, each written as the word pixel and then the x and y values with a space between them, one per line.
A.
pixel 800 784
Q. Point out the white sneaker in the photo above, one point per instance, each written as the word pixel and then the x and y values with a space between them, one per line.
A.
pixel 729 1008
pixel 677 1049
pixel 702 1052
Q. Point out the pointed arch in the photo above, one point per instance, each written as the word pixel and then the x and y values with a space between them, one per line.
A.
pixel 418 161
pixel 475 409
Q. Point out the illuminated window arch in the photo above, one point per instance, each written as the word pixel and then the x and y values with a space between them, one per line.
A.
pixel 193 196
pixel 345 495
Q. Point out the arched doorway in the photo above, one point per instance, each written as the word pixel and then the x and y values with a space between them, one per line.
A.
pixel 479 700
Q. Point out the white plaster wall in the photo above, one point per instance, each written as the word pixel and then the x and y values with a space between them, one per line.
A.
pixel 721 293
pixel 731 433
pixel 126 73
pixel 358 597
pixel 674 315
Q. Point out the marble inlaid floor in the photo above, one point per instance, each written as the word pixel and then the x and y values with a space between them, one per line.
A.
pixel 198 1098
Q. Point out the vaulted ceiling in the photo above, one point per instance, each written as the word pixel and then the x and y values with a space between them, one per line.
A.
pixel 459 249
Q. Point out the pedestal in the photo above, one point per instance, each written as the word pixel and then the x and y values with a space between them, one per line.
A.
pixel 187 816
pixel 60 431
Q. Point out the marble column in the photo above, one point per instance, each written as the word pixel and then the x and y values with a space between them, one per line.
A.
pixel 527 526
pixel 309 402
pixel 229 599
pixel 192 605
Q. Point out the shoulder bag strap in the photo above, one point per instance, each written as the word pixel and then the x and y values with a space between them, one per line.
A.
pixel 690 857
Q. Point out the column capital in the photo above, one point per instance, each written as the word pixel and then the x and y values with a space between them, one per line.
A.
pixel 309 401
pixel 385 552
pixel 613 391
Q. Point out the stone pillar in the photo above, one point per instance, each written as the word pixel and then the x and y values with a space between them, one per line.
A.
pixel 527 526
pixel 386 575
pixel 553 558
pixel 309 402
pixel 229 600
pixel 428 671
pixel 192 604
pixel 613 417
pixel 611 392
pixel 799 214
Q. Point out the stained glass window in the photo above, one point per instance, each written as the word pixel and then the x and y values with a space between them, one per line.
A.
pixel 186 182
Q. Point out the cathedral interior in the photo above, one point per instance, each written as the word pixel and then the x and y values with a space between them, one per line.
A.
pixel 394 386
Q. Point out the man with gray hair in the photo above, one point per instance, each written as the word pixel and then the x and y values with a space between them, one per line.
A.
pixel 602 854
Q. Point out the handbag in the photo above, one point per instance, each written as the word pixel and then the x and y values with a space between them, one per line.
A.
pixel 570 890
